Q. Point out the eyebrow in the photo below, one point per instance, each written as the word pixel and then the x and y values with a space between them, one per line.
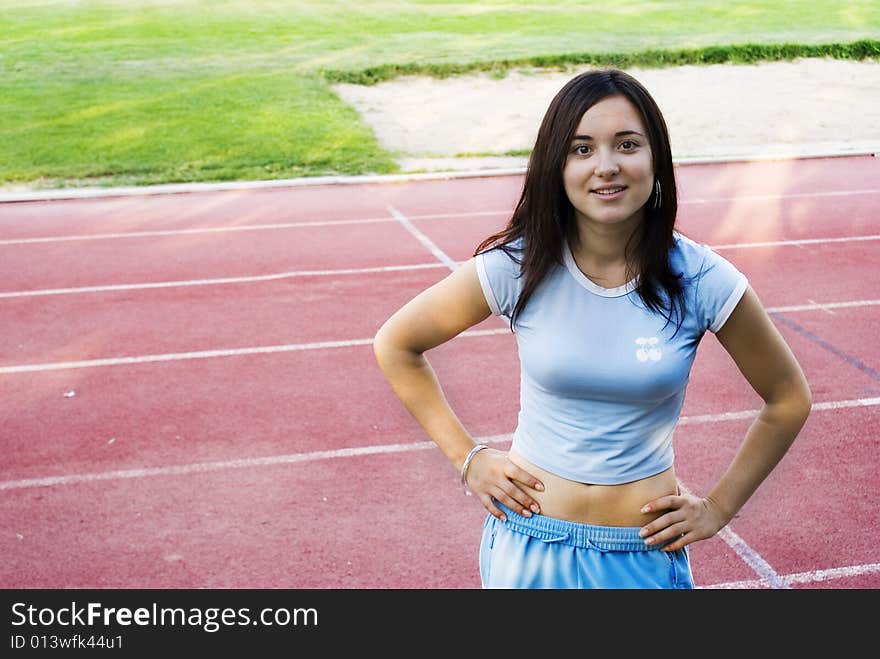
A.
pixel 621 133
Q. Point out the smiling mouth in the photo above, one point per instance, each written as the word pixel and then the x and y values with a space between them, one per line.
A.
pixel 609 192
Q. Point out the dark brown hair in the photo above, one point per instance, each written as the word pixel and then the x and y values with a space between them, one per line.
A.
pixel 544 217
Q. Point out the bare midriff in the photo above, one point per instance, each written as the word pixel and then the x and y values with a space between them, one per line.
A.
pixel 602 505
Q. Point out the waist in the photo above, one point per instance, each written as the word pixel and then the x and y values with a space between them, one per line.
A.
pixel 588 503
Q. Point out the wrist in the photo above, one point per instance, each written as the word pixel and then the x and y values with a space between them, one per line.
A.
pixel 467 463
pixel 723 514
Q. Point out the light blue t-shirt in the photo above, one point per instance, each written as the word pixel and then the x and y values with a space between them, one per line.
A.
pixel 602 378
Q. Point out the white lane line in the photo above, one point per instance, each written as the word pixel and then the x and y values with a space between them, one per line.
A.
pixel 319 345
pixel 791 195
pixel 186 232
pixel 835 573
pixel 446 260
pixel 753 559
pixel 200 467
pixel 432 247
pixel 207 354
pixel 221 281
pixel 813 576
pixel 252 227
pixel 840 404
pixel 365 220
pixel 339 453
pixel 750 414
pixel 458 216
pixel 823 306
pixel 791 243
pixel 175 356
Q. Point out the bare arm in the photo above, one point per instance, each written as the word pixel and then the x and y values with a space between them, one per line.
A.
pixel 434 316
pixel 767 363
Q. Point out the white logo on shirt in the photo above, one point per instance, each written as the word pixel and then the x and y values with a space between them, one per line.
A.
pixel 648 349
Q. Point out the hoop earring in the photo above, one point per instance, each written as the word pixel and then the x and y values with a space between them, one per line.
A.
pixel 657 192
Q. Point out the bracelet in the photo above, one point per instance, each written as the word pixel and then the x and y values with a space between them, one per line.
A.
pixel 467 461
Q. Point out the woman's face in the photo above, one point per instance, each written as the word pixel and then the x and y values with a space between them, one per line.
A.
pixel 608 173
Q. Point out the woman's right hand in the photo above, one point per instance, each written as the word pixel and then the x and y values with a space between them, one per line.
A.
pixel 492 477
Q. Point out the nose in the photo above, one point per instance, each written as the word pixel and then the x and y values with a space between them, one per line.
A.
pixel 606 165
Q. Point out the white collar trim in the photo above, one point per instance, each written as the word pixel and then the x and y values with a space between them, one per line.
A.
pixel 592 286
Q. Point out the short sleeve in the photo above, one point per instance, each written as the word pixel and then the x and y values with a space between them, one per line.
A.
pixel 720 288
pixel 499 275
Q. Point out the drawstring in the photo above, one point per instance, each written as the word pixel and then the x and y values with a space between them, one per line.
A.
pixel 560 538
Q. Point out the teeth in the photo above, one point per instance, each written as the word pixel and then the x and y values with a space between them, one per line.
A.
pixel 609 191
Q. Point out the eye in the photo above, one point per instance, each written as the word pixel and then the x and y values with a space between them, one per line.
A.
pixel 629 145
pixel 581 150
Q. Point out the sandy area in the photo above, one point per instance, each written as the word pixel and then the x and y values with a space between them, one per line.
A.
pixel 804 107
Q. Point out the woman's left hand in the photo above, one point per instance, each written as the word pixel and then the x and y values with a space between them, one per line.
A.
pixel 689 518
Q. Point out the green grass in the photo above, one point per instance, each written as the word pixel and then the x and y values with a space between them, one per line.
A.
pixel 186 127
pixel 144 92
pixel 731 54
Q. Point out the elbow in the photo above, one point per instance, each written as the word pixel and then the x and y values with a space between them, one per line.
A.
pixel 387 347
pixel 380 343
pixel 805 403
pixel 799 402
pixel 393 348
pixel 791 403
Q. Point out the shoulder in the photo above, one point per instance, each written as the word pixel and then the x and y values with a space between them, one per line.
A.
pixel 694 259
pixel 504 256
pixel 514 247
pixel 716 285
pixel 499 269
pixel 687 255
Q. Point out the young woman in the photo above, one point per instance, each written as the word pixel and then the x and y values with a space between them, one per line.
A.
pixel 608 303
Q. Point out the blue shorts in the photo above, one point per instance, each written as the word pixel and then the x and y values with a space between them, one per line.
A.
pixel 544 552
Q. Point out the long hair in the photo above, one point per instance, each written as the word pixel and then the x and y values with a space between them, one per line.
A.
pixel 544 217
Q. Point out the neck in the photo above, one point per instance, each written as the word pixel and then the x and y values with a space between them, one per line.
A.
pixel 605 245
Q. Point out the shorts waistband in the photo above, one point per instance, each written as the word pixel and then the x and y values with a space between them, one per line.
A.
pixel 577 534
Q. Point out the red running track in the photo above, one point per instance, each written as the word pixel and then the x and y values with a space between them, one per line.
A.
pixel 191 400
